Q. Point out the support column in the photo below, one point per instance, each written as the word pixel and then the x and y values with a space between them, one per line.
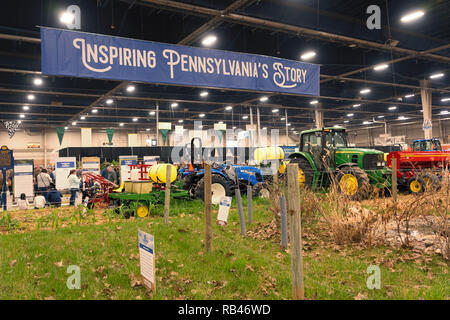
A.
pixel 318 116
pixel 425 94
pixel 287 127
pixel 157 124
pixel 258 125
pixel 251 116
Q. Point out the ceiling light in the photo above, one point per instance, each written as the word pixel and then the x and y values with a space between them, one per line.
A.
pixel 314 102
pixel 234 127
pixel 20 121
pixel 366 122
pixel 364 91
pixel 135 119
pixel 436 75
pixel 94 110
pixel 380 67
pixel 400 99
pixel 37 81
pixel 411 16
pixel 121 124
pixel 445 99
pixel 356 105
pixel 289 124
pixel 392 108
pixel 409 96
pixel 282 119
pixel 174 105
pixel 82 118
pixel 346 121
pixel 402 118
pixel 308 55
pixel 380 117
pixel 444 112
pixel 200 126
pixel 336 126
pixel 74 123
pixel 131 88
pixel 265 128
pixel 152 113
pixel 204 94
pixel 263 99
pixel 209 40
pixel 148 129
pixel 275 110
pixel 350 115
pixel 65 128
pixel 22 116
pixel 180 121
pixel 201 115
pixel 26 108
pixel 30 97
pixel 228 108
pixel 66 17
pixel 245 117
pixel 109 101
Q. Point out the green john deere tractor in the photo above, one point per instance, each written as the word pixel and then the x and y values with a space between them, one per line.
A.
pixel 324 157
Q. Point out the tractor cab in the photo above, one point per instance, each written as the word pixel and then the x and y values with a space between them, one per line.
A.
pixel 427 145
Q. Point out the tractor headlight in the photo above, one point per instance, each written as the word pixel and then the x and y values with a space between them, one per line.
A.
pixel 380 164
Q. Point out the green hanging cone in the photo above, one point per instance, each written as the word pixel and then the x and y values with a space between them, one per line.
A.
pixel 110 133
pixel 164 133
pixel 60 131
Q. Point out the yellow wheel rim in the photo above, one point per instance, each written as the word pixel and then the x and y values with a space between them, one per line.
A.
pixel 142 211
pixel 348 184
pixel 415 186
pixel 301 178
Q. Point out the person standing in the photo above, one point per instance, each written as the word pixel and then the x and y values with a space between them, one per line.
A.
pixel 112 175
pixel 74 186
pixel 43 182
pixel 105 171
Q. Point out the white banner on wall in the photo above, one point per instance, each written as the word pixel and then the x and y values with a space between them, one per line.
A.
pixel 91 164
pixel 125 161
pixel 23 178
pixel 152 160
pixel 62 170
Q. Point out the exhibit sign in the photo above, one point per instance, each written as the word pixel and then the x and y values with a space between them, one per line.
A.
pixel 125 161
pixel 88 55
pixel 91 165
pixel 151 160
pixel 23 178
pixel 147 259
pixel 62 171
pixel 224 209
pixel 6 163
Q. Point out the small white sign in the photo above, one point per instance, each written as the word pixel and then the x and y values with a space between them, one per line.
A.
pixel 224 209
pixel 147 259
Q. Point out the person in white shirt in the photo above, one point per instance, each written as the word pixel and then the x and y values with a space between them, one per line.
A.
pixel 22 203
pixel 39 202
pixel 43 180
pixel 74 186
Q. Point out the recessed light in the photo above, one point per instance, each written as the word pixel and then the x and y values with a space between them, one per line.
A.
pixel 282 119
pixel 65 128
pixel 234 127
pixel 445 99
pixel 26 108
pixel 314 102
pixel 135 119
pixel 148 129
pixel 444 112
pixel 436 75
pixel 364 91
pixel 82 118
pixel 121 124
pixel 411 16
pixel 350 114
pixel 308 55
pixel 356 105
pixel 131 88
pixel 180 121
pixel 265 128
pixel 380 67
pixel 228 108
pixel 346 121
pixel 74 123
pixel 289 124
pixel 409 96
pixel 275 110
pixel 109 101
pixel 22 116
pixel 152 113
pixel 30 97
pixel 201 115
pixel 402 118
pixel 174 105
pixel 380 117
pixel 209 40
pixel 37 81
pixel 392 108
pixel 94 110
pixel 366 122
pixel 204 94
pixel 20 121
pixel 263 99
pixel 245 117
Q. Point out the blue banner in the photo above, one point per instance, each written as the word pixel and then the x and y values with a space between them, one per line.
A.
pixel 79 54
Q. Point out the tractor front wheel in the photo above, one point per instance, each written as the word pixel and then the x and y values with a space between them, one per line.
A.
pixel 416 185
pixel 305 172
pixel 353 182
pixel 219 188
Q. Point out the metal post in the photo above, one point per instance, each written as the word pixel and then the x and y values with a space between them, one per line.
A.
pixel 208 208
pixel 241 211
pixel 157 124
pixel 394 179
pixel 287 127
pixel 283 218
pixel 167 194
pixel 249 204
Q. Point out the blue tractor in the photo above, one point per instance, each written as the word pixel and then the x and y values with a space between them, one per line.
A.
pixel 225 179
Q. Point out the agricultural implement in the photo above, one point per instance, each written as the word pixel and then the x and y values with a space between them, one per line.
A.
pixel 420 170
pixel 325 159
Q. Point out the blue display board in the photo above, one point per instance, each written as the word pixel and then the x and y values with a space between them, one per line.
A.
pixel 79 54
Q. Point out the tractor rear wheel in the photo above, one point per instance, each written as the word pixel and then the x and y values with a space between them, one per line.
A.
pixel 431 182
pixel 219 188
pixel 260 190
pixel 305 172
pixel 353 182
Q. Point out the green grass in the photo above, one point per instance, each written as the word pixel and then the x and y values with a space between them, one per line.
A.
pixel 238 268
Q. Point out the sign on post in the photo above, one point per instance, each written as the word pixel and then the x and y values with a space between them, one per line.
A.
pixel 147 259
pixel 125 161
pixel 23 178
pixel 80 54
pixel 91 165
pixel 224 209
pixel 62 171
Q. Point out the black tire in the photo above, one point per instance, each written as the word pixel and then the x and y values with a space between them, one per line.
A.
pixel 362 179
pixel 431 182
pixel 415 185
pixel 215 178
pixel 259 189
pixel 308 171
